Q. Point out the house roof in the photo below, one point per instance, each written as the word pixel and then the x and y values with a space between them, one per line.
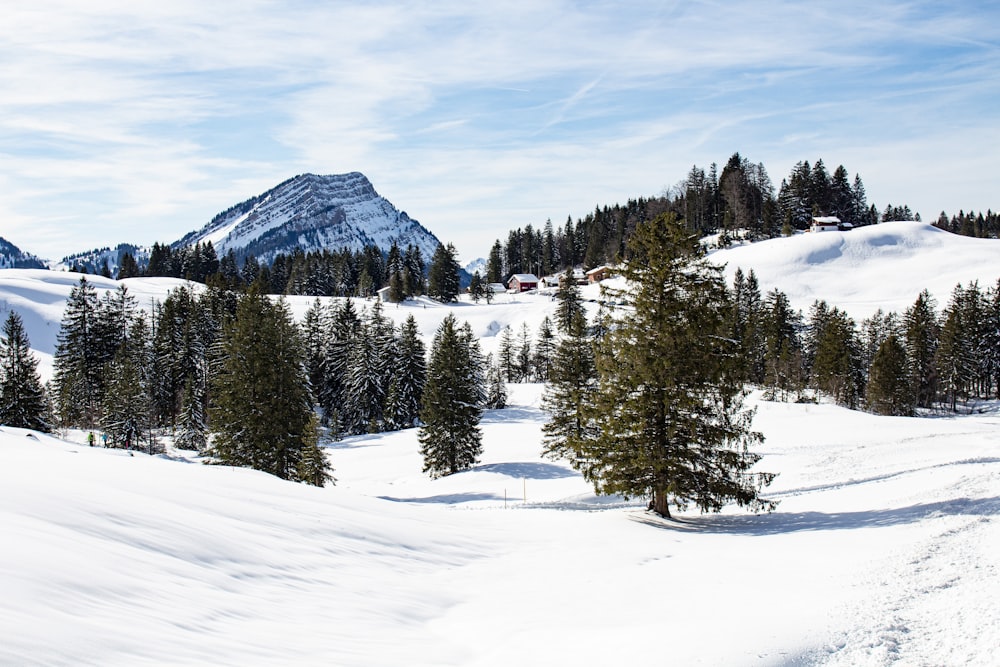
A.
pixel 524 278
pixel 598 269
pixel 826 220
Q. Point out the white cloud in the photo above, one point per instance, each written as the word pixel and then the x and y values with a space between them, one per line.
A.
pixel 125 118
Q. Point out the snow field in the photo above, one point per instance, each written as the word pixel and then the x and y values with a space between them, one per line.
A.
pixel 884 548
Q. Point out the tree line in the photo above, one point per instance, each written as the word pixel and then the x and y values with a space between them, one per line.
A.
pixel 977 225
pixel 232 375
pixel 739 200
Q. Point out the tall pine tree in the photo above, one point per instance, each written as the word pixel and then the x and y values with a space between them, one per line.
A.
pixel 261 415
pixel 78 361
pixel 22 398
pixel 669 399
pixel 442 279
pixel 409 374
pixel 450 439
pixel 888 388
pixel 572 381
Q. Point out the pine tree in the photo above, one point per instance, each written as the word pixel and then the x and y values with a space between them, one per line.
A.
pixel 570 303
pixel 409 374
pixel 22 398
pixel 523 361
pixel 572 381
pixel 507 355
pixel 476 365
pixel 192 431
pixel 184 332
pixel 477 288
pixel 314 334
pixel 888 388
pixel 747 324
pixel 669 401
pixel 496 388
pixel 859 203
pixel 126 411
pixel 413 272
pixel 450 439
pixel 397 287
pixel 129 267
pixel 365 386
pixel 442 279
pixel 77 363
pixel 836 366
pixel 921 334
pixel 313 466
pixel 345 326
pixel 545 345
pixel 991 338
pixel 954 358
pixel 875 330
pixel 494 264
pixel 783 371
pixel 261 413
pixel 975 309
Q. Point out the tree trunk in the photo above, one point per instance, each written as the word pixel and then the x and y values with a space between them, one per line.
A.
pixel 660 503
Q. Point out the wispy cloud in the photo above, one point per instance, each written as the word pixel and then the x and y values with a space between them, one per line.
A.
pixel 125 121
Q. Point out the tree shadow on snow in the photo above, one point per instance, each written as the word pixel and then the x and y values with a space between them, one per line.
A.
pixel 514 413
pixel 528 470
pixel 780 522
pixel 446 499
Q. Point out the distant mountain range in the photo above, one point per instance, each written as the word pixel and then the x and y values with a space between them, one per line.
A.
pixel 12 257
pixel 307 212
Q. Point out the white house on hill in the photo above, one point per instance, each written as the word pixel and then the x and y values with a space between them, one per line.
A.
pixel 825 224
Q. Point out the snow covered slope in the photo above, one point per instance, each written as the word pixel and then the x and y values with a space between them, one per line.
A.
pixel 39 297
pixel 312 213
pixel 879 266
pixel 885 549
pixel 13 257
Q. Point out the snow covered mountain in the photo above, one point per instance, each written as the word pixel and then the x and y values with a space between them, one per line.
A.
pixel 476 265
pixel 12 257
pixel 94 261
pixel 312 213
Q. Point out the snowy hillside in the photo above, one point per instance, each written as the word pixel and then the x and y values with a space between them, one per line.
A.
pixel 879 266
pixel 39 296
pixel 312 213
pixel 885 547
pixel 94 261
pixel 13 257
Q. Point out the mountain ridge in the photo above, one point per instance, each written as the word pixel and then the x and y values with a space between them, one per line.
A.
pixel 12 257
pixel 312 212
pixel 307 212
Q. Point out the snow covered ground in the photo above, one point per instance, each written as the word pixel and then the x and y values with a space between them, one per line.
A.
pixel 885 548
pixel 879 266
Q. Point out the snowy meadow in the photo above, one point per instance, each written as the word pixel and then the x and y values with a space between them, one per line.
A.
pixel 885 547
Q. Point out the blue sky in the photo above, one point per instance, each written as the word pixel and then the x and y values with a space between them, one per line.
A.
pixel 126 120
